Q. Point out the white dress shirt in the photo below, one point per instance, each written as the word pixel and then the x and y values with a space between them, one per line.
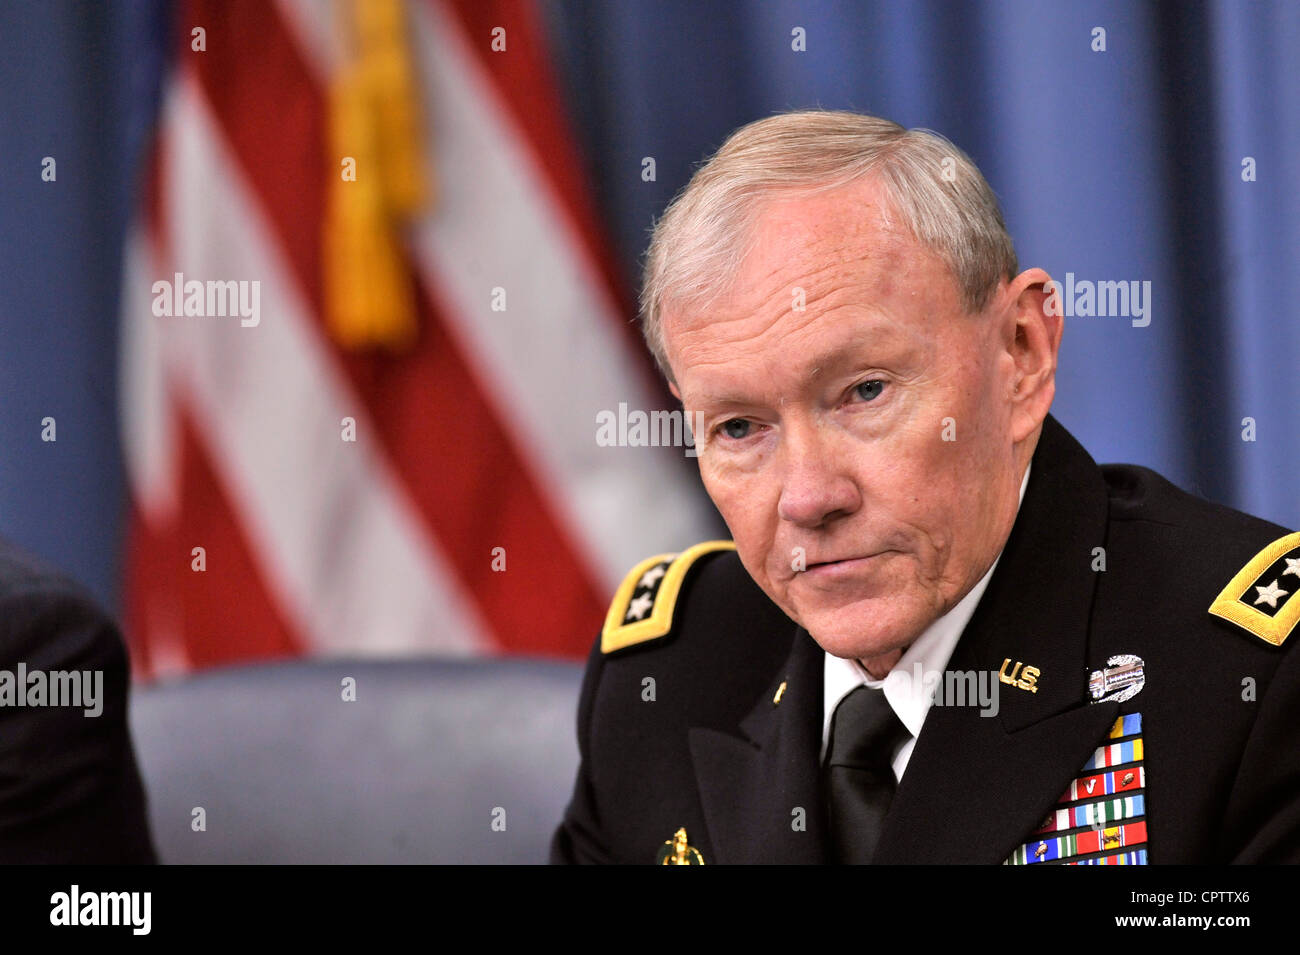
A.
pixel 910 698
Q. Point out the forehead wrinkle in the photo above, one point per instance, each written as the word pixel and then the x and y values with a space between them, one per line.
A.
pixel 866 340
pixel 831 287
pixel 777 305
pixel 799 369
pixel 864 326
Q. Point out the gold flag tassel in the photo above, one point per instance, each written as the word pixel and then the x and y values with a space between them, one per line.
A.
pixel 374 121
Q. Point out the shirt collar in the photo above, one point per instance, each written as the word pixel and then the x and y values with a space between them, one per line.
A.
pixel 909 696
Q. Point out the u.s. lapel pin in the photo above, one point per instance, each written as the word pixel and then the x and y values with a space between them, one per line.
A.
pixel 677 851
pixel 1122 679
pixel 1026 679
pixel 780 692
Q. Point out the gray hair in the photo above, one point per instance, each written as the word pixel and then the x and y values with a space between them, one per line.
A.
pixel 699 242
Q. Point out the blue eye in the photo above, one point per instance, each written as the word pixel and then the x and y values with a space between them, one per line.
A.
pixel 736 428
pixel 870 389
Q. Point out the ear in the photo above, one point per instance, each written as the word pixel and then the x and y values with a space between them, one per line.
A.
pixel 1032 326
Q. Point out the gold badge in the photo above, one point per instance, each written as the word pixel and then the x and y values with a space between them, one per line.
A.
pixel 1026 679
pixel 676 851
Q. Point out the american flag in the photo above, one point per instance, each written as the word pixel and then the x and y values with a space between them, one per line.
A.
pixel 399 457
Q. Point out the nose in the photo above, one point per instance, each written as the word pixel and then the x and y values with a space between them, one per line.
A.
pixel 817 486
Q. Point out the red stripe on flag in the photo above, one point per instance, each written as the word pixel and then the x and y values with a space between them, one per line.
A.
pixel 146 609
pixel 223 614
pixel 461 468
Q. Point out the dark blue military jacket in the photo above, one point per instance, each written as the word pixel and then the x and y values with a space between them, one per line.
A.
pixel 1200 764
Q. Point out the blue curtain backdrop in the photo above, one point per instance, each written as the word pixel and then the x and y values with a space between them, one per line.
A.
pixel 78 83
pixel 1117 165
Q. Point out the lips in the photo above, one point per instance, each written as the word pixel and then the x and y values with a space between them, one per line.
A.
pixel 850 558
pixel 845 565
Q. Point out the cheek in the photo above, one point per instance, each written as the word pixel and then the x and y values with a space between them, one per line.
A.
pixel 747 503
pixel 735 482
pixel 925 500
pixel 725 494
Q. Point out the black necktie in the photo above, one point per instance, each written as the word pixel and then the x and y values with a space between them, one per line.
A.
pixel 859 778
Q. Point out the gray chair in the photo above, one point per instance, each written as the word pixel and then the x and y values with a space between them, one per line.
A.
pixel 419 768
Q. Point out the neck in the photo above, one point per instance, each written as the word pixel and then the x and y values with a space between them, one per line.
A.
pixel 878 667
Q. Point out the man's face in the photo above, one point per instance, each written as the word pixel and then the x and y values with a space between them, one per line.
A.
pixel 860 448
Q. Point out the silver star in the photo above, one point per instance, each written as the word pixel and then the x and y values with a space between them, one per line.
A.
pixel 639 608
pixel 650 576
pixel 1270 594
pixel 1292 566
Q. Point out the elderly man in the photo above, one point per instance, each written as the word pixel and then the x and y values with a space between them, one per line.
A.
pixel 837 302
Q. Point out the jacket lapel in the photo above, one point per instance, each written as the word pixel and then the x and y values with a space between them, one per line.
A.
pixel 976 786
pixel 972 792
pixel 752 784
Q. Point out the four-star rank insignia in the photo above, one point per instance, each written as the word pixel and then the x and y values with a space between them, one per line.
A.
pixel 642 608
pixel 1264 597
pixel 677 851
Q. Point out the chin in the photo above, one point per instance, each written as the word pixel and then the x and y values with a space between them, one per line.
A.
pixel 864 629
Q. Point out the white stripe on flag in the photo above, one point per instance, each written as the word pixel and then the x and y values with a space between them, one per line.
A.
pixel 145 410
pixel 149 438
pixel 338 542
pixel 314 25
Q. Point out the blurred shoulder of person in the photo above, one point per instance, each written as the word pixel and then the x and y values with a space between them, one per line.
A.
pixel 70 789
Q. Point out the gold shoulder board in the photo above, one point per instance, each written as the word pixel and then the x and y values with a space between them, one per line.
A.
pixel 1264 597
pixel 642 608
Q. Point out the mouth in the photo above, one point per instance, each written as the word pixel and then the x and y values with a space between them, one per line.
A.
pixel 847 567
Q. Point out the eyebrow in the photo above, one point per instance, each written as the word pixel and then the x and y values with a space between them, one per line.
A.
pixel 849 352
